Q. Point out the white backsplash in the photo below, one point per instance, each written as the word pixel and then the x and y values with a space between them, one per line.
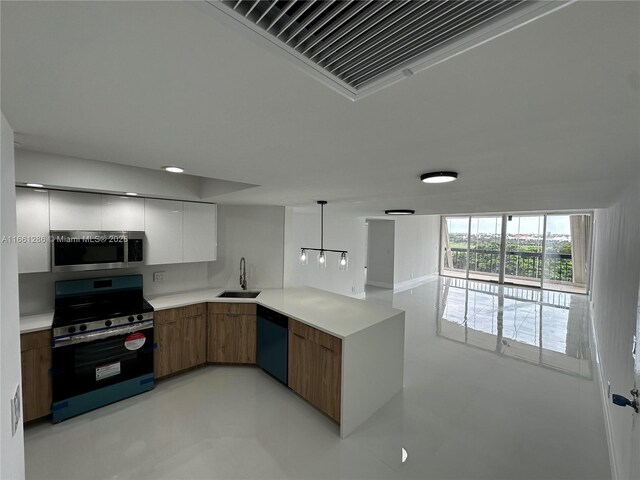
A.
pixel 36 289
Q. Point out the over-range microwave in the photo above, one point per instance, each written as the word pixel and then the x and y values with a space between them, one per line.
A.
pixel 95 250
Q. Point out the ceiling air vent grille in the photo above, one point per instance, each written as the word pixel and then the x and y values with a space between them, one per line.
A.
pixel 359 46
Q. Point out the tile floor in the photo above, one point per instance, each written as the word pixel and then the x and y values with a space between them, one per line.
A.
pixel 498 384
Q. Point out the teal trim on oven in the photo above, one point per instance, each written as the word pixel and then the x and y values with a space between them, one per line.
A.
pixel 99 398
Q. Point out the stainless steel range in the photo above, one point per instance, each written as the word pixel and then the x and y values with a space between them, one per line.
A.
pixel 102 343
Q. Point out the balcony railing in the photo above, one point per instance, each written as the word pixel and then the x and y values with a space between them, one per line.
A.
pixel 558 266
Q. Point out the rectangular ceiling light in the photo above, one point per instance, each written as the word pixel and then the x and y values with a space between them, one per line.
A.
pixel 358 47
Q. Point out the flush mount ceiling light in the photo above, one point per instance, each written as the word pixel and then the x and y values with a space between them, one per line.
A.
pixel 399 212
pixel 35 185
pixel 343 261
pixel 439 177
pixel 173 169
pixel 131 194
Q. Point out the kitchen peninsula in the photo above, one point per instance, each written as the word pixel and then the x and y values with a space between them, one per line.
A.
pixel 358 345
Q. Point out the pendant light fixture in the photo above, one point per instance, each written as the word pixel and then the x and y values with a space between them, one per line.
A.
pixel 322 260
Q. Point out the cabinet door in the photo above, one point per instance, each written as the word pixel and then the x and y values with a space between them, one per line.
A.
pixel 199 237
pixel 245 339
pixel 166 356
pixel 32 214
pixel 122 213
pixel 315 367
pixel 232 338
pixel 328 387
pixel 299 362
pixel 36 379
pixel 163 229
pixel 75 211
pixel 222 345
pixel 193 346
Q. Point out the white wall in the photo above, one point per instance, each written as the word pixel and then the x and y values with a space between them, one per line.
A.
pixel 37 289
pixel 381 253
pixel 616 272
pixel 11 448
pixel 417 243
pixel 253 232
pixel 341 231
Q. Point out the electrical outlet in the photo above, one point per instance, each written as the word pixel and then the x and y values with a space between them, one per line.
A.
pixel 16 414
pixel 159 276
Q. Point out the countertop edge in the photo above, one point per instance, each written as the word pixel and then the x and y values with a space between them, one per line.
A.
pixel 40 322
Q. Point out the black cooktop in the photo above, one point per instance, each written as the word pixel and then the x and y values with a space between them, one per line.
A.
pixel 98 307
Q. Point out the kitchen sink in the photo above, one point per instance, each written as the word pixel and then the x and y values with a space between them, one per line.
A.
pixel 236 294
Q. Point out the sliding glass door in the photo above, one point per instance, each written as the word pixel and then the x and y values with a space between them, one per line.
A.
pixel 567 252
pixel 455 246
pixel 550 251
pixel 484 248
pixel 524 246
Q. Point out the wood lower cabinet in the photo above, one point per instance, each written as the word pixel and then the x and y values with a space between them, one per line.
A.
pixel 35 349
pixel 193 342
pixel 315 366
pixel 232 333
pixel 180 334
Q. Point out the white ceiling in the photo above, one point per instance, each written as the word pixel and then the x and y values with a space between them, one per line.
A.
pixel 546 116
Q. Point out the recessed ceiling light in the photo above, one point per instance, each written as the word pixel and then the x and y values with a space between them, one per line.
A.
pixel 173 169
pixel 399 212
pixel 131 194
pixel 35 185
pixel 39 190
pixel 439 177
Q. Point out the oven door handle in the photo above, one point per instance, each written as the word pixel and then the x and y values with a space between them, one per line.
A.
pixel 111 332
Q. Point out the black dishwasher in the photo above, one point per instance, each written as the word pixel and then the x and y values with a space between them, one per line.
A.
pixel 271 343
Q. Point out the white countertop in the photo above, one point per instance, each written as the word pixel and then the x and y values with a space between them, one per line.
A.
pixel 335 314
pixel 36 323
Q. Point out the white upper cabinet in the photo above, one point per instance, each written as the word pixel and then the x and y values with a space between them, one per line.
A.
pixel 199 235
pixel 75 211
pixel 122 213
pixel 163 229
pixel 34 249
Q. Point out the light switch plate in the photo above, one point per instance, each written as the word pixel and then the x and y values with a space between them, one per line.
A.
pixel 16 411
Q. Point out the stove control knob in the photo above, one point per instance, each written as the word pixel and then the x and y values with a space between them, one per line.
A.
pixel 83 328
pixel 71 330
pixel 139 317
pixel 108 323
pixel 131 319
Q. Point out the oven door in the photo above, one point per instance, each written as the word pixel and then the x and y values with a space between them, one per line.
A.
pixel 73 251
pixel 84 363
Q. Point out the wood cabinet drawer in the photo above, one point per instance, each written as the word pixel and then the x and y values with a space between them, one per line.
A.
pixel 232 308
pixel 172 314
pixel 29 341
pixel 316 336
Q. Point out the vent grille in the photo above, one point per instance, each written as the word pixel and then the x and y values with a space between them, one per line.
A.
pixel 357 43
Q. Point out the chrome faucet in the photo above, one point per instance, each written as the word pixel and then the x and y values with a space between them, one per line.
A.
pixel 243 274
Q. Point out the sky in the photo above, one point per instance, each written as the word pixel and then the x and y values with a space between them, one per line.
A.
pixel 556 224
